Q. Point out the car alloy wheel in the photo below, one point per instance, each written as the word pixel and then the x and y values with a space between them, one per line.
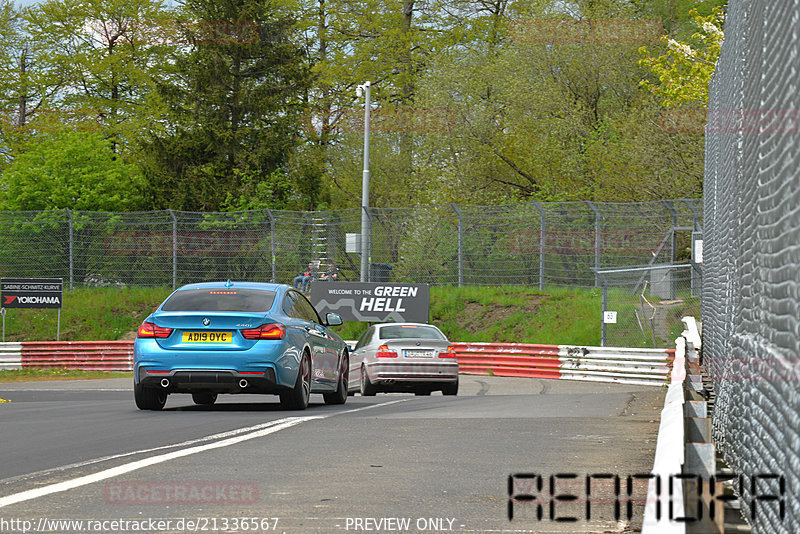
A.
pixel 340 395
pixel 297 397
pixel 368 389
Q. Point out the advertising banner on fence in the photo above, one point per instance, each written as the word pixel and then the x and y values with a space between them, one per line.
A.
pixel 31 292
pixel 373 302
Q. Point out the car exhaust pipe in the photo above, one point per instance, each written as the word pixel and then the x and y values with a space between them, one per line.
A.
pixel 164 382
pixel 242 383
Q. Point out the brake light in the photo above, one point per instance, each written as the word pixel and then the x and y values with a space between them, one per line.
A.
pixel 151 330
pixel 451 352
pixel 384 352
pixel 265 331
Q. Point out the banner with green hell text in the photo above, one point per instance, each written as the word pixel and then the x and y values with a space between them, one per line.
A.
pixel 373 302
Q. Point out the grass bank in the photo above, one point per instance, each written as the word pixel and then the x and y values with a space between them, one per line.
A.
pixel 490 314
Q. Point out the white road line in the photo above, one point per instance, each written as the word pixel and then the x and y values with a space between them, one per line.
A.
pixel 274 426
pixel 212 437
pixel 371 406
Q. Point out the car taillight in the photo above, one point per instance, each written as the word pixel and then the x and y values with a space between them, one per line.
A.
pixel 451 352
pixel 151 330
pixel 384 352
pixel 265 331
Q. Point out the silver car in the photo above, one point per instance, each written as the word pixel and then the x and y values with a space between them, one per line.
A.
pixel 409 357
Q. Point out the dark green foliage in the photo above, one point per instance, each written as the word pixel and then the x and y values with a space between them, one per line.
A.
pixel 234 106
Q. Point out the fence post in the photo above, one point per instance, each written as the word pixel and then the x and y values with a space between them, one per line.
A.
pixel 603 305
pixel 272 243
pixel 541 243
pixel 71 245
pixel 596 242
pixel 368 246
pixel 174 249
pixel 460 244
pixel 673 244
pixel 603 335
pixel 695 219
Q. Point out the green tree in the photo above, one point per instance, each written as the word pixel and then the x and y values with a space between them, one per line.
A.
pixel 107 56
pixel 390 44
pixel 554 111
pixel 235 104
pixel 685 70
pixel 76 170
pixel 8 36
pixel 26 84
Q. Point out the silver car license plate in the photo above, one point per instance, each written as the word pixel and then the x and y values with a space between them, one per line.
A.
pixel 418 353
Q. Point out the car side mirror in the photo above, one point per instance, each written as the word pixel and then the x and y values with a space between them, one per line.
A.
pixel 333 319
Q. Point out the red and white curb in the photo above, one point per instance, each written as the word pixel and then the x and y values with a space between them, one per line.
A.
pixel 10 356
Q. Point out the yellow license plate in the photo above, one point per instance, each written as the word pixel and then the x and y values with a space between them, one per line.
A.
pixel 207 337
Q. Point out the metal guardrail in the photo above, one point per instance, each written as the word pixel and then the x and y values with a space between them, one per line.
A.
pixel 685 459
pixel 669 457
pixel 10 356
pixel 598 364
pixel 85 355
pixel 649 367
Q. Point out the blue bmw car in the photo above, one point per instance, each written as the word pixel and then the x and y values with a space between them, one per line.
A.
pixel 239 337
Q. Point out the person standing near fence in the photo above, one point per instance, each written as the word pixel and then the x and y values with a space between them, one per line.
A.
pixel 331 274
pixel 302 281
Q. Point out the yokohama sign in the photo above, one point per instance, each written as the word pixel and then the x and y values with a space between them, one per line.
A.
pixel 31 292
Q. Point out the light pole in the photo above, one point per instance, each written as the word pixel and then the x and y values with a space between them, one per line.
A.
pixel 365 222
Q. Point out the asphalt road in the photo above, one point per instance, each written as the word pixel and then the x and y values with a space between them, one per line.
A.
pixel 80 450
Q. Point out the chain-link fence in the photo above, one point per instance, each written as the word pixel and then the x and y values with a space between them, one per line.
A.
pixel 535 244
pixel 643 305
pixel 751 291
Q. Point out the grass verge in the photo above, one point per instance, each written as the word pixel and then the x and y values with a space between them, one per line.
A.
pixel 489 314
pixel 511 314
pixel 34 374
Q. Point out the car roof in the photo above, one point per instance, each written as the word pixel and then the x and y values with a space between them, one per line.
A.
pixel 266 286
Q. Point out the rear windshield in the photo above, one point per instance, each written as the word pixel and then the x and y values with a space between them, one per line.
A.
pixel 410 332
pixel 237 300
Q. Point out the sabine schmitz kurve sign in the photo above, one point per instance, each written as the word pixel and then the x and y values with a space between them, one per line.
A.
pixel 31 292
pixel 373 301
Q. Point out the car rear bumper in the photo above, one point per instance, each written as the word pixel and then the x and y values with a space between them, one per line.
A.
pixel 211 380
pixel 275 363
pixel 402 371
